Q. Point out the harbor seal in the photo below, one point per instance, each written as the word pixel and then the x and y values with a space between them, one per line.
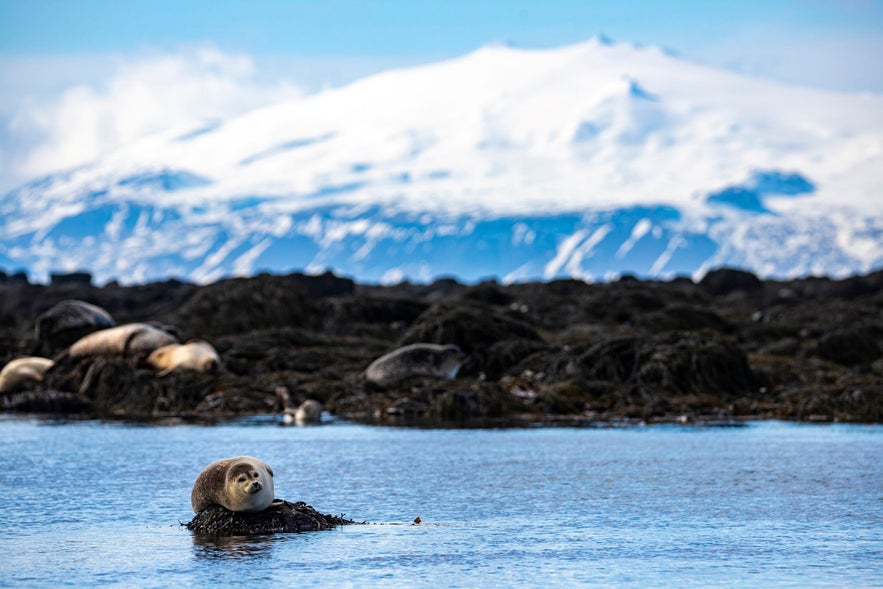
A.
pixel 196 355
pixel 68 321
pixel 242 483
pixel 310 411
pixel 122 340
pixel 415 360
pixel 20 372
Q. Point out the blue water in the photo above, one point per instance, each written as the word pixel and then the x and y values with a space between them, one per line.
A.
pixel 766 505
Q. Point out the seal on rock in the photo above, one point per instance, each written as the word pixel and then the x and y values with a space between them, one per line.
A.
pixel 310 411
pixel 196 355
pixel 23 371
pixel 433 360
pixel 69 320
pixel 128 339
pixel 242 483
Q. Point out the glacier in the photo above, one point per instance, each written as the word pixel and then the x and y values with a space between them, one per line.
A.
pixel 588 161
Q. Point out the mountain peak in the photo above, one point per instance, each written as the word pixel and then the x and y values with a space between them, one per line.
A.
pixel 600 157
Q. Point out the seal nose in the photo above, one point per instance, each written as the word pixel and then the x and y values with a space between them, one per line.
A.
pixel 256 486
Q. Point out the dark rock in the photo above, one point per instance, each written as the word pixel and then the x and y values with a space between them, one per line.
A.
pixel 240 305
pixel 472 329
pixel 849 346
pixel 280 517
pixel 77 278
pixel 46 401
pixel 724 281
pixel 489 293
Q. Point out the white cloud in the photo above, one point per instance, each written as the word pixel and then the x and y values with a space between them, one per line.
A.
pixel 118 101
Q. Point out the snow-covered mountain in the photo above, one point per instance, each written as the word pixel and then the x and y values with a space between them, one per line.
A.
pixel 588 160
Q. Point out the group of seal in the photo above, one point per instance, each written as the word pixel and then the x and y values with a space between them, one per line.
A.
pixel 97 334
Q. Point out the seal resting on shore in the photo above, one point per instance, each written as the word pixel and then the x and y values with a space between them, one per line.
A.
pixel 415 360
pixel 196 355
pixel 20 372
pixel 67 321
pixel 128 339
pixel 241 483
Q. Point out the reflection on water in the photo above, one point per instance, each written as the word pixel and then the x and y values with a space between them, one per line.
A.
pixel 768 504
pixel 252 548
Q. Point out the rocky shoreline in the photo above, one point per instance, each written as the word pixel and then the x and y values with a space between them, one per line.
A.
pixel 728 348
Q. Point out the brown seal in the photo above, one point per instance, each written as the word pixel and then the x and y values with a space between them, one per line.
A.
pixel 22 372
pixel 196 355
pixel 242 483
pixel 123 340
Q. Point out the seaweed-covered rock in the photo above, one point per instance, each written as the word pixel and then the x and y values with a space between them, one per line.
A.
pixel 473 329
pixel 281 516
pixel 240 305
pixel 46 401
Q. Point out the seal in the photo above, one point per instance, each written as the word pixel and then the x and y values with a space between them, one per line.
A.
pixel 432 360
pixel 242 483
pixel 196 355
pixel 122 340
pixel 21 372
pixel 310 411
pixel 69 320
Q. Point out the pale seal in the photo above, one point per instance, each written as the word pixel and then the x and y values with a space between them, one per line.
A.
pixel 68 321
pixel 242 483
pixel 129 339
pixel 310 411
pixel 22 372
pixel 415 360
pixel 196 355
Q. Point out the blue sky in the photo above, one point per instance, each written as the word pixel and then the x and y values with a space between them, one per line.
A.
pixel 408 27
pixel 80 76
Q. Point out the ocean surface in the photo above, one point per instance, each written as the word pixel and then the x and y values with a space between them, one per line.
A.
pixel 765 505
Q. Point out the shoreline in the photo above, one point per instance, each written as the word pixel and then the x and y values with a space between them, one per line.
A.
pixel 727 348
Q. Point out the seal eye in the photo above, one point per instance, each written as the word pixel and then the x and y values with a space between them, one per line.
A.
pixel 241 479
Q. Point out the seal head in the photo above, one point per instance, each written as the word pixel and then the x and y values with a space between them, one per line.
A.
pixel 242 483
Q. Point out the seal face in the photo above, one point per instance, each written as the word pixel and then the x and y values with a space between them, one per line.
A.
pixel 242 483
pixel 415 360
pixel 23 371
pixel 196 355
pixel 128 339
pixel 68 321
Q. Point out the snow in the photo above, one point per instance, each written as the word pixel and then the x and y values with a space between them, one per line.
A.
pixel 415 160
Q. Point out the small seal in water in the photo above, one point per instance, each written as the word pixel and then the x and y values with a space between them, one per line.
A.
pixel 242 483
pixel 415 360
pixel 310 411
